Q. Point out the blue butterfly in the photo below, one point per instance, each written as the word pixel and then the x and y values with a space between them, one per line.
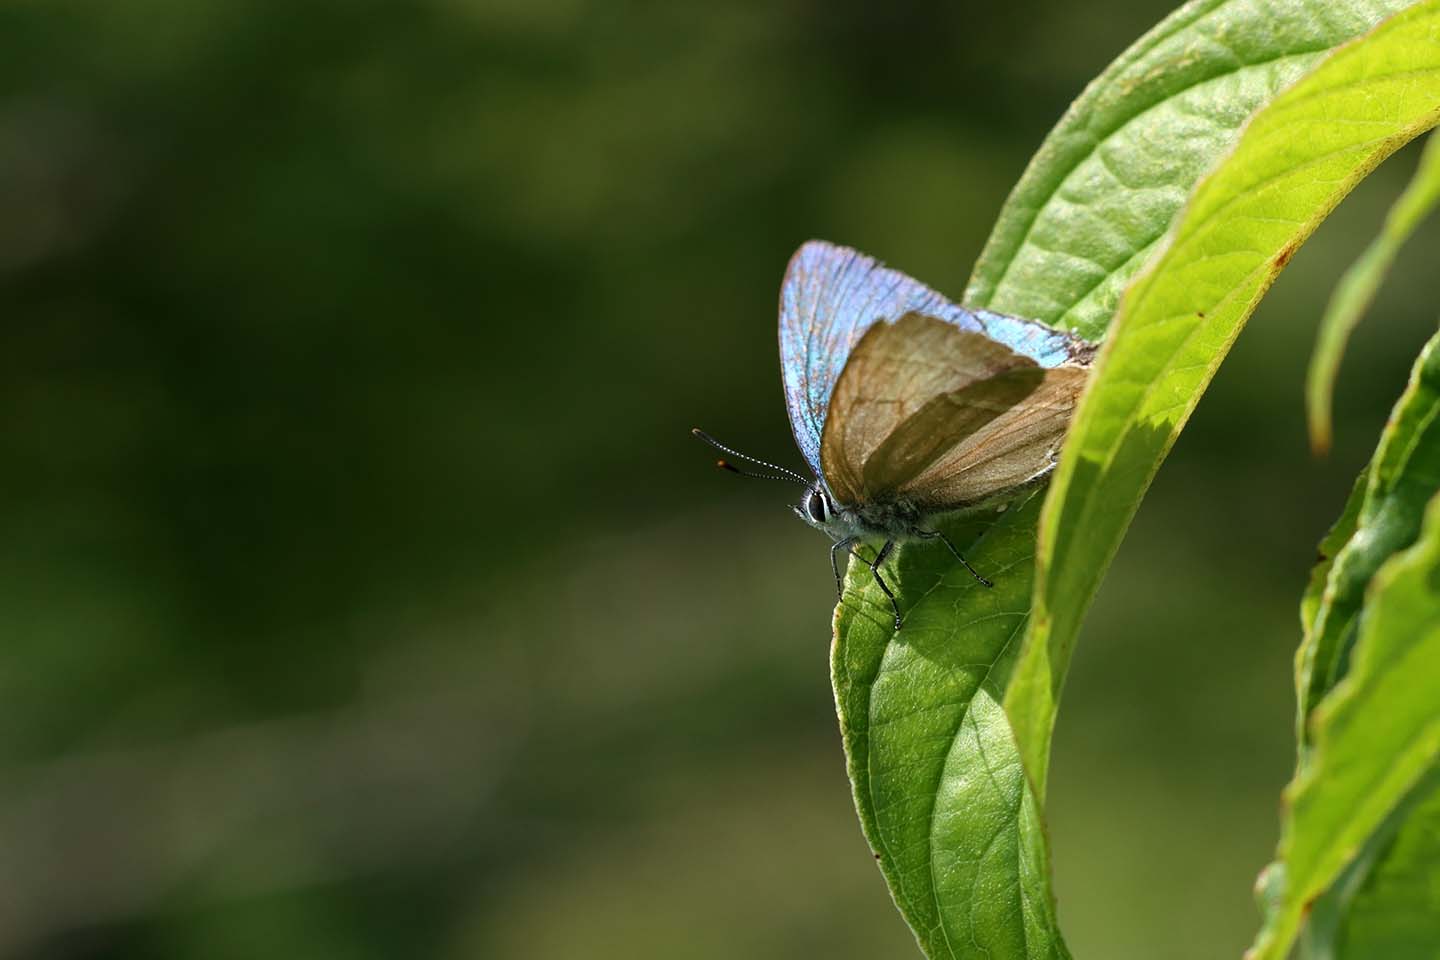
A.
pixel 907 406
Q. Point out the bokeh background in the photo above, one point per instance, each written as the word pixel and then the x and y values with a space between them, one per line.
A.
pixel 362 592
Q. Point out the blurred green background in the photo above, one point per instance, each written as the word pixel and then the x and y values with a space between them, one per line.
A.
pixel 362 591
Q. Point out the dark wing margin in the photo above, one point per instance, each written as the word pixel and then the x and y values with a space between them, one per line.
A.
pixel 832 295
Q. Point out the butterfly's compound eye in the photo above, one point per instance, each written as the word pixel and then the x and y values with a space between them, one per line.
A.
pixel 815 505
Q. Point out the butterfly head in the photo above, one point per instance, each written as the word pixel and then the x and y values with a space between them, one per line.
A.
pixel 815 506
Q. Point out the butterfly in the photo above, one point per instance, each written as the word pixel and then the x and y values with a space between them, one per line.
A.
pixel 907 406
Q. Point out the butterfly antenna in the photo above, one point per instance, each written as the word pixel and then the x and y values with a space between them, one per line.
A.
pixel 780 472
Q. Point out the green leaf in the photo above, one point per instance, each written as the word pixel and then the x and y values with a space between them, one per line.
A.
pixel 1334 540
pixel 1297 158
pixel 1101 191
pixel 1383 516
pixel 1357 288
pixel 1396 913
pixel 1385 902
pixel 942 795
pixel 1401 480
pixel 1377 737
pixel 955 827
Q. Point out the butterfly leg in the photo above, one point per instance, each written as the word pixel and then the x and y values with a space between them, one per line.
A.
pixel 875 572
pixel 937 535
pixel 835 564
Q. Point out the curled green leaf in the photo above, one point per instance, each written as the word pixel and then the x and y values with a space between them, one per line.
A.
pixel 1357 288
pixel 1400 481
pixel 1377 737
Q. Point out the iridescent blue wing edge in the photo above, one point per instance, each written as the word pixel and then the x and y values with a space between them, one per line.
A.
pixel 832 294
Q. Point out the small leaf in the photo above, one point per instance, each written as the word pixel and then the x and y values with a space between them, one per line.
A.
pixel 1377 737
pixel 1357 288
pixel 1401 479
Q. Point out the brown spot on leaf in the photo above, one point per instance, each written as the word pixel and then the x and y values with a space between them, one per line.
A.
pixel 1283 257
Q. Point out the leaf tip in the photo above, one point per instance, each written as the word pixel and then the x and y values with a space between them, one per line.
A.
pixel 1318 421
